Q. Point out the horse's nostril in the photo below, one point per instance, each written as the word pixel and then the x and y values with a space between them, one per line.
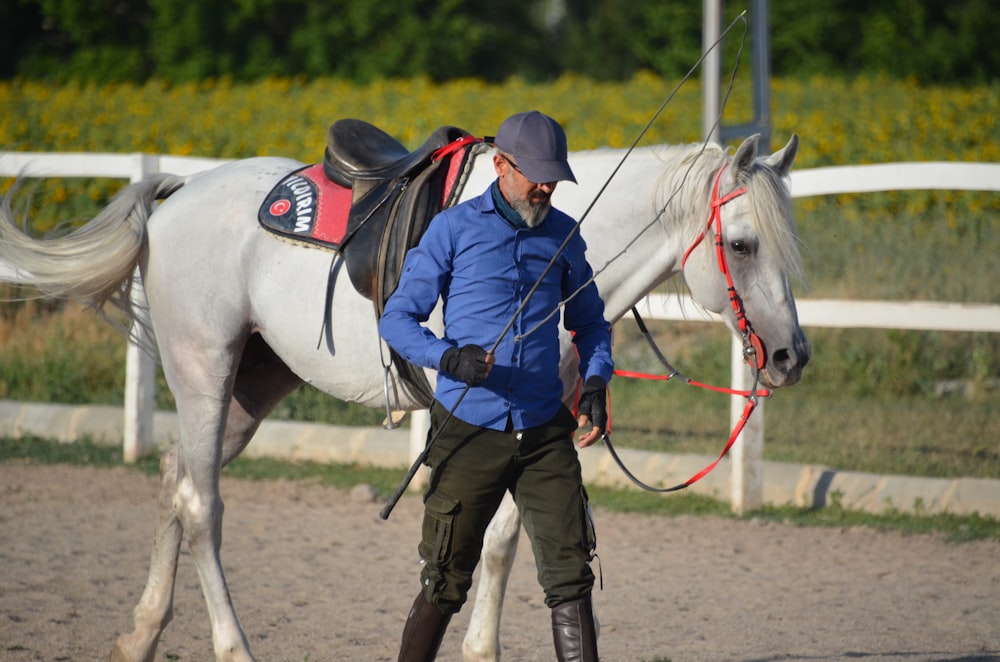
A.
pixel 788 364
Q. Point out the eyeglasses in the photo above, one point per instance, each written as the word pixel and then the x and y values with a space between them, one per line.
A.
pixel 513 165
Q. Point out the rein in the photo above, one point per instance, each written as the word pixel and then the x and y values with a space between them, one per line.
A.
pixel 753 348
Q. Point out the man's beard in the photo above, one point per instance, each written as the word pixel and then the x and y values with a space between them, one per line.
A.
pixel 533 214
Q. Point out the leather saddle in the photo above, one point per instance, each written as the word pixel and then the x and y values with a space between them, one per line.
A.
pixel 357 151
pixel 395 194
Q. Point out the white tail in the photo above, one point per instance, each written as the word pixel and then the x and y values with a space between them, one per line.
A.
pixel 95 263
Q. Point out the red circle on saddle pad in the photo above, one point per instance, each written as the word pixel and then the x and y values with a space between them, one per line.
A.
pixel 280 207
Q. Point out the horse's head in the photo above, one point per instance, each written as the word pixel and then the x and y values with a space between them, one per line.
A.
pixel 742 262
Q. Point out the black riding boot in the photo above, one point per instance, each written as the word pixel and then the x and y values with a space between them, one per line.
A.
pixel 573 631
pixel 423 632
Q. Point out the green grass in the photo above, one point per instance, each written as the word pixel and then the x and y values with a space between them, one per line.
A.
pixel 84 452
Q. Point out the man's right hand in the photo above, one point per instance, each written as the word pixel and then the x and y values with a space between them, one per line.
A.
pixel 469 363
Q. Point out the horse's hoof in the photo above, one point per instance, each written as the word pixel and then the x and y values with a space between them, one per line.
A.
pixel 118 655
pixel 121 653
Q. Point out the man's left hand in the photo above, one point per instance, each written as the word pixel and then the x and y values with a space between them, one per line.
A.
pixel 593 411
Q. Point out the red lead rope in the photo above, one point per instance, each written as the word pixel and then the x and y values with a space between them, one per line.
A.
pixel 752 397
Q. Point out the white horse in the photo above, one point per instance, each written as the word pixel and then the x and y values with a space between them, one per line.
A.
pixel 237 312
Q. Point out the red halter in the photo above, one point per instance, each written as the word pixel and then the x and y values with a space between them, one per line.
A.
pixel 753 347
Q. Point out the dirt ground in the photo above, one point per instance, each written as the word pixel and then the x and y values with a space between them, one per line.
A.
pixel 316 575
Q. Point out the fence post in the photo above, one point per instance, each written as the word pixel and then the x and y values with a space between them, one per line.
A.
pixel 140 367
pixel 420 423
pixel 747 454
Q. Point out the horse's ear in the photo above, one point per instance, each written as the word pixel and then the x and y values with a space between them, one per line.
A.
pixel 746 154
pixel 782 160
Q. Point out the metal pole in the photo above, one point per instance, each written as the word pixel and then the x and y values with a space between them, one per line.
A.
pixel 761 33
pixel 711 22
pixel 760 63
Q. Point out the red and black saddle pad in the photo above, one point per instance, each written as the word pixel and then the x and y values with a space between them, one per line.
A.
pixel 307 206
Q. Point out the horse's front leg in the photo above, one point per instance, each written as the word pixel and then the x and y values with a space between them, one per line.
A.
pixel 482 641
pixel 155 608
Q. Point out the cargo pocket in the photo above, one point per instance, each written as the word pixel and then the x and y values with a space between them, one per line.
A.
pixel 439 528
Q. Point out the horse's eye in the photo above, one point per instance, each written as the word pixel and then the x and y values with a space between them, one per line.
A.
pixel 740 247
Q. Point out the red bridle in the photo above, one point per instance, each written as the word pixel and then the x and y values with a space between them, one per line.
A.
pixel 753 347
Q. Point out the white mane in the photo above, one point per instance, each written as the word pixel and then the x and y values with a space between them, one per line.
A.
pixel 767 193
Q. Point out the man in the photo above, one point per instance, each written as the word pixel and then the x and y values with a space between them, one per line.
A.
pixel 498 421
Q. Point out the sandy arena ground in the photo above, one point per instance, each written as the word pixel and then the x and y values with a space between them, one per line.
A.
pixel 317 575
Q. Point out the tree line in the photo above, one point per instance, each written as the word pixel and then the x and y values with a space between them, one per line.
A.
pixel 932 41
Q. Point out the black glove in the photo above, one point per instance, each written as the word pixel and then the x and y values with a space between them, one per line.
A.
pixel 594 402
pixel 467 364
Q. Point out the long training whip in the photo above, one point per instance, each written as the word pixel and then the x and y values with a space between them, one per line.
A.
pixel 422 457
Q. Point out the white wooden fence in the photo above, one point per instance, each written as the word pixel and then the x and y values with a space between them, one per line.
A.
pixel 746 456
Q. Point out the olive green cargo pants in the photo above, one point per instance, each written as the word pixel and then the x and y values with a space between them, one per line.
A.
pixel 472 468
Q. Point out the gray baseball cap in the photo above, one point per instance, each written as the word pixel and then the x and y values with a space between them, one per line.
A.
pixel 538 144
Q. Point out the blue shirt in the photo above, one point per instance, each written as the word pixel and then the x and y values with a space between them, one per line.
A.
pixel 482 267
